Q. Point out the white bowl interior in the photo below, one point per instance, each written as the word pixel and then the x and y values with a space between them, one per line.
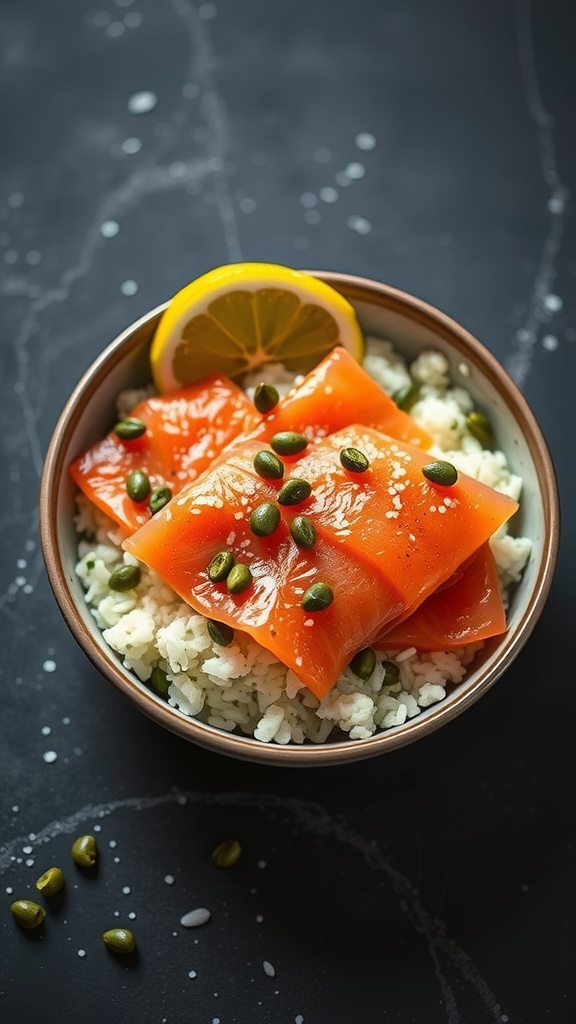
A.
pixel 411 326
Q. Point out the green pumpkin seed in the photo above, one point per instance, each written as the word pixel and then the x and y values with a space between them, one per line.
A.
pixel 159 498
pixel 480 427
pixel 353 460
pixel 406 396
pixel 287 442
pixel 266 397
pixel 124 577
pixel 391 673
pixel 238 578
pixel 137 485
pixel 220 632
pixel 265 519
pixel 159 681
pixel 363 663
pixel 443 473
pixel 120 940
pixel 130 428
pixel 227 853
pixel 318 597
pixel 27 913
pixel 303 532
pixel 84 851
pixel 268 465
pixel 50 882
pixel 220 566
pixel 294 491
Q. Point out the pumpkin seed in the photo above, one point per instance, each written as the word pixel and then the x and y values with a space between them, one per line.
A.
pixel 303 532
pixel 50 882
pixel 137 485
pixel 84 851
pixel 406 396
pixel 238 578
pixel 443 473
pixel 130 428
pixel 220 566
pixel 353 460
pixel 266 397
pixel 480 427
pixel 220 632
pixel 287 442
pixel 159 498
pixel 391 673
pixel 294 491
pixel 268 465
pixel 159 681
pixel 120 940
pixel 124 577
pixel 227 853
pixel 318 597
pixel 363 663
pixel 27 913
pixel 265 519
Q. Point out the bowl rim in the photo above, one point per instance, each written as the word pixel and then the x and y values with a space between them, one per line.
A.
pixel 237 745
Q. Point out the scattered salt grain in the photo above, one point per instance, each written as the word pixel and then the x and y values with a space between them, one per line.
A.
pixel 50 756
pixel 81 953
pixel 169 879
pixel 195 918
pixel 268 969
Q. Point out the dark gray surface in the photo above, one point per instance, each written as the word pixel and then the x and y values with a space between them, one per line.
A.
pixel 437 884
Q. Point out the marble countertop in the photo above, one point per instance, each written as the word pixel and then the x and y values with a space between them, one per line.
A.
pixel 430 146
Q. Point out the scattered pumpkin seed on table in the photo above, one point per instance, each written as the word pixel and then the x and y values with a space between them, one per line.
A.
pixel 119 940
pixel 27 913
pixel 51 881
pixel 227 853
pixel 84 851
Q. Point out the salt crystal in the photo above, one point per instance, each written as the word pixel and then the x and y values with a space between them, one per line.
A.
pixel 195 918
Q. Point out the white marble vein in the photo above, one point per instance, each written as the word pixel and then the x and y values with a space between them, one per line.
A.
pixel 538 312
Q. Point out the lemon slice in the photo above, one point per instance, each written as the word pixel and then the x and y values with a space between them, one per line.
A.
pixel 238 317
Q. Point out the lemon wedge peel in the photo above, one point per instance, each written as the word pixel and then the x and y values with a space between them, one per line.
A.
pixel 241 316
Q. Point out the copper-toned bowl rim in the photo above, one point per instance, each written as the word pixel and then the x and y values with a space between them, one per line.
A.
pixel 355 289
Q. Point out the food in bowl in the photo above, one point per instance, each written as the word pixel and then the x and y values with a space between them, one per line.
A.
pixel 265 607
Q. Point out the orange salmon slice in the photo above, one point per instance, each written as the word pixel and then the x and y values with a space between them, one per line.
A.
pixel 386 539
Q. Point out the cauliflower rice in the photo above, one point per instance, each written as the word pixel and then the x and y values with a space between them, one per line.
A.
pixel 244 687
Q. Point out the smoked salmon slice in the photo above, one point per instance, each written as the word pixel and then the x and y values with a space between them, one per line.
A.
pixel 185 430
pixel 463 612
pixel 386 539
pixel 333 395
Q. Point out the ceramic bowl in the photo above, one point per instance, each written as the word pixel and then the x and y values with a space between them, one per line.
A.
pixel 411 324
